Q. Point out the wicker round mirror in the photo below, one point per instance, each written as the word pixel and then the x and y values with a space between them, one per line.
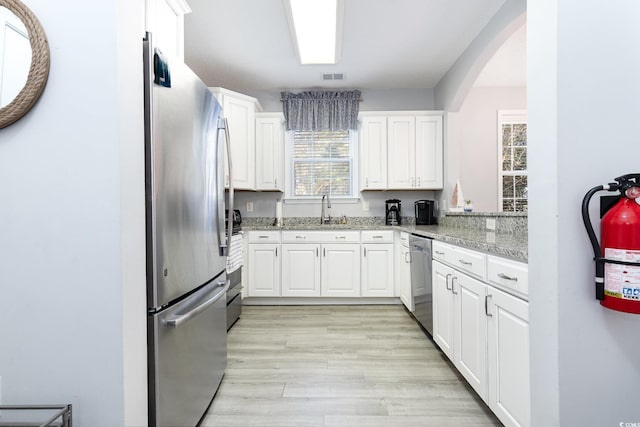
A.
pixel 27 95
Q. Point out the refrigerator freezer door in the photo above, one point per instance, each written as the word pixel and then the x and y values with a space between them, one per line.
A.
pixel 189 356
pixel 183 181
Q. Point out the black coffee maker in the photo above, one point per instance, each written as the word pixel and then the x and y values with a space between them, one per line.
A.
pixel 392 212
pixel 425 214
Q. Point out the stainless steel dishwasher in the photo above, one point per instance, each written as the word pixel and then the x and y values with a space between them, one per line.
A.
pixel 421 285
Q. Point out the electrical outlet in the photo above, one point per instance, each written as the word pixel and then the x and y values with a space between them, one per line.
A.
pixel 491 224
pixel 249 206
pixel 365 206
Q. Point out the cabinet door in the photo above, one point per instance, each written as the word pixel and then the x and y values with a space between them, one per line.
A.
pixel 340 271
pixel 429 152
pixel 377 270
pixel 269 153
pixel 240 118
pixel 508 353
pixel 470 331
pixel 373 149
pixel 401 135
pixel 403 276
pixel 264 270
pixel 443 308
pixel 300 270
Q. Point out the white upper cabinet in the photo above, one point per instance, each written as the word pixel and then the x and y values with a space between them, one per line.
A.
pixel 239 110
pixel 269 151
pixel 165 21
pixel 373 152
pixel 401 150
pixel 428 152
pixel 415 152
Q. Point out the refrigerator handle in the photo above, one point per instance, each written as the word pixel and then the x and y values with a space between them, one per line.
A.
pixel 231 195
pixel 176 321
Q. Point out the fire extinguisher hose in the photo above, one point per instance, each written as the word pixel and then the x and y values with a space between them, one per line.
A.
pixel 597 252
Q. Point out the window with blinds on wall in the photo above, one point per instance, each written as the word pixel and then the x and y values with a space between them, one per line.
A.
pixel 513 161
pixel 321 163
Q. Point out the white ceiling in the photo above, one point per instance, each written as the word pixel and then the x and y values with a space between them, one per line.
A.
pixel 246 44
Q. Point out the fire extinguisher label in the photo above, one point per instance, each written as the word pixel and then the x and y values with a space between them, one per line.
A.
pixel 622 281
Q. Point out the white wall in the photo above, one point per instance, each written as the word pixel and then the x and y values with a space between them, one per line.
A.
pixel 584 358
pixel 473 133
pixel 372 99
pixel 452 89
pixel 70 219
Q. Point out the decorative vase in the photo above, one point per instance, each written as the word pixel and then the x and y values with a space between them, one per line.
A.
pixel 468 206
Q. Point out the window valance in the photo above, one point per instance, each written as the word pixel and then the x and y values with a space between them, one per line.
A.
pixel 321 110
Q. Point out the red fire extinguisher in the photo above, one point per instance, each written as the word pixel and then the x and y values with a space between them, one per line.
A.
pixel 618 261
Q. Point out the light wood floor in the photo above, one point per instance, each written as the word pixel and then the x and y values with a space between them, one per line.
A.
pixel 305 366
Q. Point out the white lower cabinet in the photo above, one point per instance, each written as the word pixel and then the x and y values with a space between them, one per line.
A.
pixel 443 308
pixel 377 270
pixel 300 270
pixel 508 354
pixel 470 331
pixel 340 270
pixel 403 271
pixel 484 330
pixel 263 270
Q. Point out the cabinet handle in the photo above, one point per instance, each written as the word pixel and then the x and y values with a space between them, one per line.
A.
pixel 226 179
pixel 486 305
pixel 341 237
pixel 418 181
pixel 463 262
pixel 447 284
pixel 263 237
pixel 366 182
pixel 505 277
pixel 452 279
pixel 317 252
pixel 324 252
pixel 377 237
pixel 405 257
pixel 439 253
pixel 301 237
pixel 413 182
pixel 275 183
pixel 276 251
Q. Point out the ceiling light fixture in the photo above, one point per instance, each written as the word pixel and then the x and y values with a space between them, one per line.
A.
pixel 316 26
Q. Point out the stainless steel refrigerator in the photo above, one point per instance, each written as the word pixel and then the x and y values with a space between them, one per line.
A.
pixel 186 240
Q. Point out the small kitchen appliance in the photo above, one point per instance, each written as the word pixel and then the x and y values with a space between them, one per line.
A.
pixel 425 212
pixel 392 212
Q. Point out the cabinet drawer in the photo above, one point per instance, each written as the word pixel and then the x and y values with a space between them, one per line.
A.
pixel 321 236
pixel 264 237
pixel 509 275
pixel 441 250
pixel 472 262
pixel 373 236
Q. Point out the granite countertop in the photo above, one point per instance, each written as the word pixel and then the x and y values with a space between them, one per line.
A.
pixel 510 245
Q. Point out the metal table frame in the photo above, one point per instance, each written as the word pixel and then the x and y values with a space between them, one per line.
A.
pixel 63 414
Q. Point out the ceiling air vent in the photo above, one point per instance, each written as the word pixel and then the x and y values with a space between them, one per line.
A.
pixel 335 76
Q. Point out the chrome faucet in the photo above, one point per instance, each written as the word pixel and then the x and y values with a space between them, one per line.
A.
pixel 325 218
